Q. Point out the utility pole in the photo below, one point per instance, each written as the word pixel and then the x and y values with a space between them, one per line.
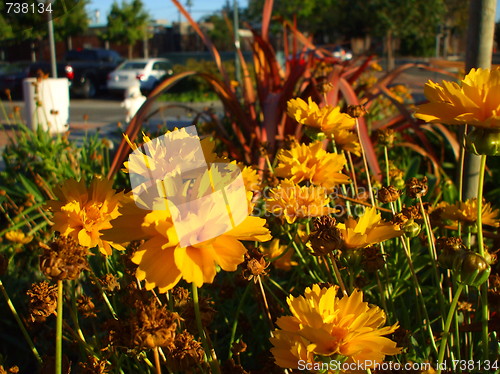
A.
pixel 52 45
pixel 236 28
pixel 480 35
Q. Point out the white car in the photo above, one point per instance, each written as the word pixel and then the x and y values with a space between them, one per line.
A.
pixel 147 72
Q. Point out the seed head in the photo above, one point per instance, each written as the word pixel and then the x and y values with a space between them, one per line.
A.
pixel 388 194
pixel 356 111
pixel 326 237
pixel 185 353
pixel 64 259
pixel 416 188
pixel 43 301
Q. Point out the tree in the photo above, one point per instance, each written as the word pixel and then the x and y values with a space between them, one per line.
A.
pixel 127 24
pixel 413 19
pixel 316 17
pixel 69 20
pixel 73 23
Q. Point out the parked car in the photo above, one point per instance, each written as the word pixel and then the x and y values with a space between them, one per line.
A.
pixel 11 78
pixel 90 69
pixel 147 72
pixel 86 69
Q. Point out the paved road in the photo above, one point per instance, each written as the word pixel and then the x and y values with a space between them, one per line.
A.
pixel 109 111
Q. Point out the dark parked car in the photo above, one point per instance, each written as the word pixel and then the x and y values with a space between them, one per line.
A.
pixel 86 69
pixel 11 78
pixel 90 69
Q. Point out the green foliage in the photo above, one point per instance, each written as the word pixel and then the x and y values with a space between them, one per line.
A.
pixel 127 23
pixel 69 18
pixel 37 161
pixel 198 84
pixel 74 22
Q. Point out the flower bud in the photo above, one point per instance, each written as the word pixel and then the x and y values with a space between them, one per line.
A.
pixel 472 270
pixel 398 182
pixel 450 250
pixel 356 111
pixel 386 137
pixel 411 228
pixel 416 188
pixel 326 237
pixel 481 141
pixel 388 194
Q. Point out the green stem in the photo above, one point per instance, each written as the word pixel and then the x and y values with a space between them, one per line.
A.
pixel 433 256
pixel 387 172
pixel 157 360
pixel 337 274
pixel 20 323
pixel 59 324
pixel 447 325
pixel 480 184
pixel 365 163
pixel 214 364
pixel 312 273
pixel 235 322
pixel 480 240
pixel 418 291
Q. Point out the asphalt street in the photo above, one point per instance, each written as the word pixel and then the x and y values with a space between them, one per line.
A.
pixel 110 111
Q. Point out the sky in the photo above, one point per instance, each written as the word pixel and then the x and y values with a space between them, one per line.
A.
pixel 165 9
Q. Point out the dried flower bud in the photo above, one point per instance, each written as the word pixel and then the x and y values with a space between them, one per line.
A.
pixel 94 366
pixel 181 296
pixel 472 270
pixel 110 283
pixel 356 111
pixel 63 259
pixel 85 306
pixel 465 306
pixel 154 325
pixel 373 259
pixel 238 347
pixel 43 301
pixel 12 370
pixel 412 212
pixel 254 265
pixel 326 237
pixel 231 367
pixel 388 194
pixel 207 312
pixel 386 137
pixel 399 219
pixel 185 353
pixel 416 188
pixel 449 250
pixel 325 87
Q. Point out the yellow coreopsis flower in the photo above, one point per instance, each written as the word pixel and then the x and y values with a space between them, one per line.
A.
pixel 251 178
pixel 311 163
pixel 163 261
pixel 17 236
pixel 474 102
pixel 329 120
pixel 292 202
pixel 84 213
pixel 369 229
pixel 324 325
pixel 466 212
pixel 280 255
